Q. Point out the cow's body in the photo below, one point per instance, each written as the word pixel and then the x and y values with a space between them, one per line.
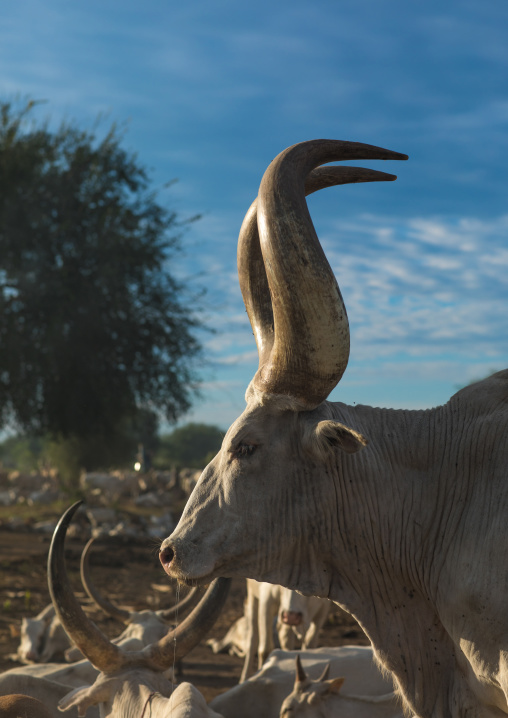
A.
pixel 408 533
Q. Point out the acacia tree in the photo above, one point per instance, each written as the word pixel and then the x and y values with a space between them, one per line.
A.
pixel 92 323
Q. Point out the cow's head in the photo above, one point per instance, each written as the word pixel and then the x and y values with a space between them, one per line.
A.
pixel 252 509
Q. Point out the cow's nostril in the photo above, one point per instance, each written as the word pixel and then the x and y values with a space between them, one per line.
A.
pixel 166 555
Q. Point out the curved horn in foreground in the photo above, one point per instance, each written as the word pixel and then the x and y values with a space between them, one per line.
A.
pixel 251 268
pixel 104 655
pixel 114 611
pixel 311 333
pixel 88 638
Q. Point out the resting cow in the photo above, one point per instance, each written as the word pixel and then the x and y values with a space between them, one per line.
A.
pixel 42 638
pixel 324 699
pixel 264 693
pixel 397 516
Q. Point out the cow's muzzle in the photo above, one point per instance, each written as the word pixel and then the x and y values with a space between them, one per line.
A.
pixel 292 618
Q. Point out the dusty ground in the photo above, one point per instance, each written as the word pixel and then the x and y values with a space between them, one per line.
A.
pixel 130 575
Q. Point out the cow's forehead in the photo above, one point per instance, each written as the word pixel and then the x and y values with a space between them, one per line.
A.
pixel 257 423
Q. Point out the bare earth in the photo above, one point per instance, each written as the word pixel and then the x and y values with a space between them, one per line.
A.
pixel 130 575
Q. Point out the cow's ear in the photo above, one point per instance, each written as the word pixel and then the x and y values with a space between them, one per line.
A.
pixel 325 436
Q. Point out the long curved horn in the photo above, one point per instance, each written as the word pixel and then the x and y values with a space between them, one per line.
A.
pixel 166 613
pixel 311 333
pixel 103 603
pixel 88 638
pixel 120 613
pixel 251 268
pixel 104 655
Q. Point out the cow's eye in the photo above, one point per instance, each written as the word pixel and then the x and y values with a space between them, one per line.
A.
pixel 242 451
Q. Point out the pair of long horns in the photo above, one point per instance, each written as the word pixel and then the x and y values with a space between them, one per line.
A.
pixel 122 614
pixel 292 299
pixel 106 656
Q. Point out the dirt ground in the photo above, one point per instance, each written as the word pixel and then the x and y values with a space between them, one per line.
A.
pixel 130 575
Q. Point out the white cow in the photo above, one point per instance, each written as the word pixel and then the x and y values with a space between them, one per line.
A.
pixel 398 516
pixel 324 698
pixel 302 617
pixel 42 638
pixel 298 616
pixel 263 693
pixel 131 684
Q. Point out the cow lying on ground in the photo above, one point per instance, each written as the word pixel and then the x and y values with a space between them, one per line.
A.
pixel 398 516
pixel 42 638
pixel 324 698
pixel 264 693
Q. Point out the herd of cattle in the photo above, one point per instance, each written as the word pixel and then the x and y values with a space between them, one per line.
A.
pixel 303 682
pixel 102 490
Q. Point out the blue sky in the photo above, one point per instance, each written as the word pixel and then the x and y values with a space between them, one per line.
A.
pixel 211 91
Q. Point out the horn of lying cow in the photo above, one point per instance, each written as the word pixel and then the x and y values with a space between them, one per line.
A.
pixel 251 268
pixel 301 676
pixel 311 333
pixel 120 613
pixel 325 673
pixel 103 654
pixel 166 613
pixel 103 603
pixel 88 638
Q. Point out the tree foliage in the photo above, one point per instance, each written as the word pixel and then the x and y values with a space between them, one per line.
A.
pixel 92 323
pixel 192 445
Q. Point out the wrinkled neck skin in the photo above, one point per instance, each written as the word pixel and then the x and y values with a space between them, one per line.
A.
pixel 375 531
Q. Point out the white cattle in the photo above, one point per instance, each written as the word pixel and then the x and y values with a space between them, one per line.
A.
pixel 73 674
pixel 260 610
pixel 131 684
pixel 42 638
pixel 298 616
pixel 263 693
pixel 398 516
pixel 324 698
pixel 301 616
